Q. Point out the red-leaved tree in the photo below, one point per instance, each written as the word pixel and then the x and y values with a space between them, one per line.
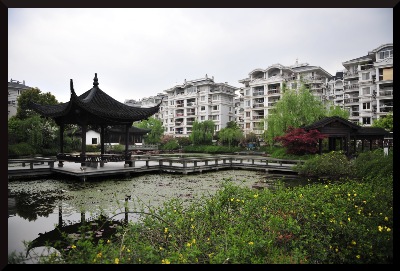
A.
pixel 298 141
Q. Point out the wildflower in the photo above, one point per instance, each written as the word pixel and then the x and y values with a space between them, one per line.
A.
pixel 73 246
pixel 166 230
pixel 380 228
pixel 99 255
pixel 232 199
pixel 116 261
pixel 326 186
pixel 192 226
pixel 251 243
pixel 211 254
pixel 388 229
pixel 165 261
pixel 355 195
pixel 161 248
pixel 348 219
pixel 256 196
pixel 358 256
pixel 108 241
pixel 123 248
pixel 188 244
pixel 353 243
pixel 386 218
pixel 336 249
pixel 194 241
pixel 128 250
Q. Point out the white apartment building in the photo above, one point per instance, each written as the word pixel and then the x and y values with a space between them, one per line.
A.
pixel 149 102
pixel 365 88
pixel 15 88
pixel 262 89
pixel 197 100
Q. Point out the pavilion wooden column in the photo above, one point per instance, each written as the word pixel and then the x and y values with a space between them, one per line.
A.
pixel 127 159
pixel 83 150
pixel 320 146
pixel 102 139
pixel 60 163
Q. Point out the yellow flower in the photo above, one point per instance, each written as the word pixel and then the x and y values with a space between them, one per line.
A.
pixel 388 229
pixel 256 196
pixel 128 250
pixel 161 248
pixel 326 186
pixel 358 256
pixel 166 230
pixel 108 241
pixel 336 249
pixel 116 261
pixel 99 255
pixel 188 244
pixel 192 226
pixel 348 219
pixel 355 195
pixel 73 246
pixel 194 241
pixel 380 228
pixel 166 261
pixel 251 243
pixel 353 243
pixel 232 199
pixel 386 218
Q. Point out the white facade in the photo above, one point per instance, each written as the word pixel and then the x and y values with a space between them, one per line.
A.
pixel 15 88
pixel 197 100
pixel 367 86
pixel 262 89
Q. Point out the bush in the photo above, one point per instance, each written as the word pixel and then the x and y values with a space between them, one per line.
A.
pixel 211 149
pixel 333 164
pixel 20 149
pixel 92 148
pixel 170 145
pixel 373 163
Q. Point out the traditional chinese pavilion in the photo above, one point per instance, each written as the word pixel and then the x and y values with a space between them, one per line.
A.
pixel 94 107
pixel 345 134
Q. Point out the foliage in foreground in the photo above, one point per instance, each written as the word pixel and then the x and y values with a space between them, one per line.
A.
pixel 331 222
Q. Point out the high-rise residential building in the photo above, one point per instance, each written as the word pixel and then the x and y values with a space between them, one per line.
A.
pixel 197 100
pixel 263 88
pixel 15 88
pixel 365 87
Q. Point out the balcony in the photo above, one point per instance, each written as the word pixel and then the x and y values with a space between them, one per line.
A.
pixel 258 93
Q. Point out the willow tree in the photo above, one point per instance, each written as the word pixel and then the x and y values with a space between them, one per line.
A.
pixel 231 134
pixel 157 130
pixel 202 132
pixel 296 108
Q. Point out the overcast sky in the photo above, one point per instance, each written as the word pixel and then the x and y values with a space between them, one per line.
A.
pixel 138 53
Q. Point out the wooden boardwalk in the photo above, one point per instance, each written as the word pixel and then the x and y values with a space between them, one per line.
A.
pixel 149 163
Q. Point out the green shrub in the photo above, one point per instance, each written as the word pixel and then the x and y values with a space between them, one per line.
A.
pixel 170 145
pixel 373 163
pixel 333 164
pixel 92 148
pixel 20 149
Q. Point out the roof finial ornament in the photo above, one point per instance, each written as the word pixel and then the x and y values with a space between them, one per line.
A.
pixel 95 80
pixel 297 61
pixel 71 85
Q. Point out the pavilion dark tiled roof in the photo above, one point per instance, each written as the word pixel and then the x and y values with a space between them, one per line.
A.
pixel 95 107
pixel 326 120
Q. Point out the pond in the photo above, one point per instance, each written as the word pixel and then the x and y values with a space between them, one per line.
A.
pixel 37 206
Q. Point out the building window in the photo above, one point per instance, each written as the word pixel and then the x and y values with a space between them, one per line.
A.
pixel 366 105
pixel 230 118
pixel 202 98
pixel 171 103
pixel 247 92
pixel 202 108
pixel 247 125
pixel 230 109
pixel 247 103
pixel 365 76
pixel 366 91
pixel 248 114
pixel 94 141
pixel 216 127
pixel 386 54
pixel 215 97
pixel 366 120
pixel 216 117
pixel 202 118
pixel 215 107
pixel 294 85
